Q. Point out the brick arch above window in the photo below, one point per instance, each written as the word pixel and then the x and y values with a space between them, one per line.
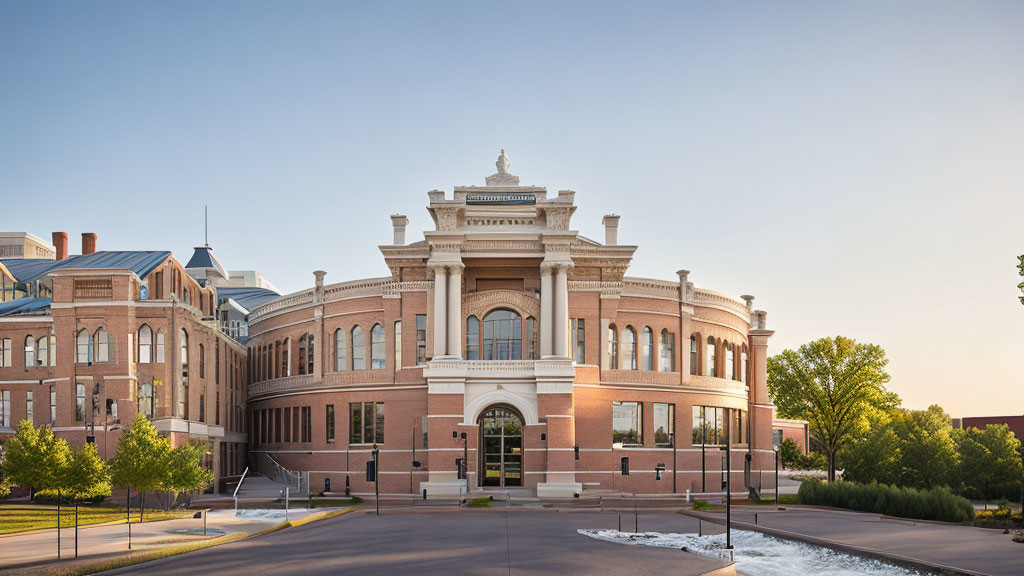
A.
pixel 480 303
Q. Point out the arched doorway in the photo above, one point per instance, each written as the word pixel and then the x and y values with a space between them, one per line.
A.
pixel 501 443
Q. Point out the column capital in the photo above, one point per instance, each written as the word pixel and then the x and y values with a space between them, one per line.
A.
pixel 455 268
pixel 553 266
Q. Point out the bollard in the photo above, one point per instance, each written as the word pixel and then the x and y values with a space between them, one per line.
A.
pixel 620 522
pixel 755 518
pixel 700 528
pixel 687 495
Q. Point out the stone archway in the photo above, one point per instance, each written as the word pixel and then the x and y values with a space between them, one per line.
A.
pixel 501 447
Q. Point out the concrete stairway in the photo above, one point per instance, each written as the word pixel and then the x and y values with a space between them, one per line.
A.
pixel 260 487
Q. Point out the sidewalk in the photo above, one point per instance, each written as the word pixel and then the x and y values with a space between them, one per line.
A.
pixel 962 548
pixel 40 547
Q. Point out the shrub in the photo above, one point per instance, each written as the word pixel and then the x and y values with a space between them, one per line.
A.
pixel 932 504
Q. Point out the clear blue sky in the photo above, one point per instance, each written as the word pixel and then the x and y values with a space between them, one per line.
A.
pixel 857 167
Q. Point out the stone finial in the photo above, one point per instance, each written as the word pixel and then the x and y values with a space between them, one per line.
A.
pixel 750 302
pixel 611 229
pixel 684 276
pixel 399 222
pixel 761 320
pixel 319 289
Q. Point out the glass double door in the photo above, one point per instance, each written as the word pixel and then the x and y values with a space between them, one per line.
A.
pixel 501 436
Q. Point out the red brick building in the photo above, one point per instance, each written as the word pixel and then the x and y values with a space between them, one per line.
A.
pixel 506 338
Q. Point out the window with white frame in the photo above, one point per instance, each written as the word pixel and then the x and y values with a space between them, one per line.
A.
pixel 5 409
pixel 377 347
pixel 627 424
pixel 30 352
pixel 340 351
pixel 647 349
pixel 667 361
pixel 398 344
pixel 578 337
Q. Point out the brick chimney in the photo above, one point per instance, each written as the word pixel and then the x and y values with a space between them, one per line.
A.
pixel 88 243
pixel 60 242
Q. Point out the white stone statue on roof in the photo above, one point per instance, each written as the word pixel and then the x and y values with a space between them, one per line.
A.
pixel 502 177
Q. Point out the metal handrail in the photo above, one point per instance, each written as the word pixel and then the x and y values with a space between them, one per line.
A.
pixel 234 495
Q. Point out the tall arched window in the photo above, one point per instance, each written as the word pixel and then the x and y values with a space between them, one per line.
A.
pixel 43 351
pixel 647 348
pixel 358 348
pixel 145 344
pixel 183 346
pixel 102 340
pixel 202 361
pixel 378 348
pixel 503 335
pixel 709 358
pixel 743 365
pixel 472 338
pixel 30 352
pixel 303 353
pixel 79 402
pixel 286 357
pixel 730 362
pixel 667 362
pixel 629 348
pixel 694 355
pixel 613 347
pixel 310 353
pixel 160 346
pixel 340 351
pixel 531 338
pixel 83 347
pixel 146 399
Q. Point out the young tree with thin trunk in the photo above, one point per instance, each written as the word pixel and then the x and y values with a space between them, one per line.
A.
pixel 141 459
pixel 185 472
pixel 35 458
pixel 85 476
pixel 833 383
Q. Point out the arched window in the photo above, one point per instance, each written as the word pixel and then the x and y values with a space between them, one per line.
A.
pixel 472 338
pixel 358 349
pixel 160 346
pixel 305 353
pixel 183 346
pixel 286 357
pixel 187 296
pixel 83 347
pixel 202 361
pixel 145 344
pixel 743 365
pixel 43 351
pixel 377 348
pixel 30 352
pixel 503 335
pixel 531 338
pixel 730 362
pixel 647 349
pixel 79 401
pixel 310 353
pixel 694 355
pixel 340 351
pixel 709 358
pixel 103 341
pixel 613 347
pixel 629 348
pixel 667 363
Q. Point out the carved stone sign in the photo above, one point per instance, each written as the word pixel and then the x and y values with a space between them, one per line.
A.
pixel 500 199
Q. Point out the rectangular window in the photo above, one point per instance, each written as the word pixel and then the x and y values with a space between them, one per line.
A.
pixel 307 424
pixel 578 337
pixel 667 362
pixel 5 409
pixel 216 409
pixel 146 399
pixel 202 407
pixel 30 408
pixel 329 423
pixel 366 423
pixel 421 339
pixel 709 425
pixel 288 424
pixel 6 358
pixel 664 424
pixel 398 345
pixel 53 405
pixel 277 425
pixel 80 402
pixel 627 424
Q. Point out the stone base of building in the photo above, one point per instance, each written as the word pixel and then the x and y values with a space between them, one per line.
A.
pixel 559 489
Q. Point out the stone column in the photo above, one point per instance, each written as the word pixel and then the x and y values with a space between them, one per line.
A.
pixel 546 311
pixel 455 311
pixel 759 401
pixel 561 312
pixel 440 311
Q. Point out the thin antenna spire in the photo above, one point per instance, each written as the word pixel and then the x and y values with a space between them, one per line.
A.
pixel 206 225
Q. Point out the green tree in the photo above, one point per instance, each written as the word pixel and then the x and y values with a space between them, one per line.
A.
pixel 928 454
pixel 874 455
pixel 34 458
pixel 85 476
pixel 990 462
pixel 832 383
pixel 141 459
pixel 185 472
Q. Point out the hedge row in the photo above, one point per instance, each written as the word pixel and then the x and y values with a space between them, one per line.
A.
pixel 932 504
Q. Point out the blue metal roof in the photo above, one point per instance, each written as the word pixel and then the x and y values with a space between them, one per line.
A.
pixel 203 258
pixel 248 298
pixel 140 262
pixel 24 306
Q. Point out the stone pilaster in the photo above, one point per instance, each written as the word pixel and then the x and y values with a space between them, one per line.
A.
pixel 454 328
pixel 440 311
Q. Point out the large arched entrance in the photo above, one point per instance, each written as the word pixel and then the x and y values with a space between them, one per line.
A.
pixel 501 443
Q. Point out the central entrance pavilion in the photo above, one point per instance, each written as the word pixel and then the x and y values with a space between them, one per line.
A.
pixel 501 443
